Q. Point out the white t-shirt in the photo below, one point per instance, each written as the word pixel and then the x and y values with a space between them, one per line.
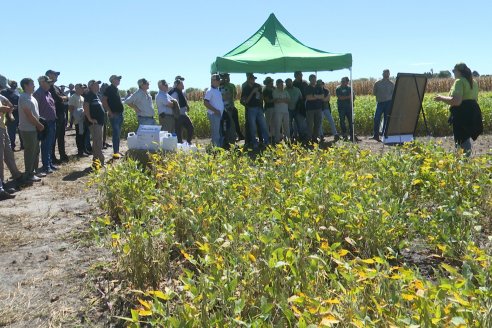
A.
pixel 284 95
pixel 214 97
pixel 163 102
pixel 27 101
pixel 77 102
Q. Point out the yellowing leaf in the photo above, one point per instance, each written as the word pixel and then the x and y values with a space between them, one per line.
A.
pixel 333 301
pixel 145 304
pixel 144 313
pixel 161 295
pixel 343 252
pixel 329 320
pixel 368 261
pixel 251 257
pixel 408 297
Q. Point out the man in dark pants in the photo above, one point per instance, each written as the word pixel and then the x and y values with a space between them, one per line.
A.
pixel 301 106
pixel 60 99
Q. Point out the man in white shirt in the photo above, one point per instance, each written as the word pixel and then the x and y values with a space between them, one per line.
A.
pixel 142 103
pixel 215 105
pixel 383 90
pixel 165 104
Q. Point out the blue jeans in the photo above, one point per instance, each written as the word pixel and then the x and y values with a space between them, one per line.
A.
pixel 116 121
pixel 47 145
pixel 143 120
pixel 215 129
pixel 327 113
pixel 381 108
pixel 256 116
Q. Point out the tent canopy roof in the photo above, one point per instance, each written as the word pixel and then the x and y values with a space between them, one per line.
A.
pixel 272 49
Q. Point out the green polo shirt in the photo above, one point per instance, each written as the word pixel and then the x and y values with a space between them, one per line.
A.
pixel 461 88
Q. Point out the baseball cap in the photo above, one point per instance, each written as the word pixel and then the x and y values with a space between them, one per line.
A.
pixel 44 78
pixel 248 75
pixel 223 75
pixel 114 77
pixel 92 82
pixel 3 82
pixel 268 80
pixel 215 77
pixel 345 79
pixel 179 77
pixel 50 71
pixel 279 81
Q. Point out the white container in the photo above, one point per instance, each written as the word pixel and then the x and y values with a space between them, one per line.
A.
pixel 147 139
pixel 132 140
pixel 168 142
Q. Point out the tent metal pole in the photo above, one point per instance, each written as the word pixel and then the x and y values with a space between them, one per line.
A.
pixel 352 105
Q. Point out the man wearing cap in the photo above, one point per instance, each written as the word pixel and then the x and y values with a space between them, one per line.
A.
pixel 344 103
pixel 183 121
pixel 141 102
pixel 76 109
pixel 29 125
pixel 301 104
pixel 280 116
pixel 47 110
pixel 252 99
pixel 60 99
pixel 165 104
pixel 94 114
pixel 114 107
pixel 229 94
pixel 383 90
pixel 215 105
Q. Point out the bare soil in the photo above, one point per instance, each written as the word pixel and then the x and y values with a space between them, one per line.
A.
pixel 50 267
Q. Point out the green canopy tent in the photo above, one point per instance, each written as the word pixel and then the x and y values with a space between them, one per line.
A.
pixel 272 49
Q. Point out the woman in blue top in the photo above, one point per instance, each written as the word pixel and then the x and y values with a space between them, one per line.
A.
pixel 466 116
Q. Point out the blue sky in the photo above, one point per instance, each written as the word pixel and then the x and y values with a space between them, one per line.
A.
pixel 161 39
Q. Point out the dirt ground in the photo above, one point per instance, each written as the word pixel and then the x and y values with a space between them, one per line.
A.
pixel 48 259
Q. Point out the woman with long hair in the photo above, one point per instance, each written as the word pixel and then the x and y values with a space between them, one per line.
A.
pixel 466 116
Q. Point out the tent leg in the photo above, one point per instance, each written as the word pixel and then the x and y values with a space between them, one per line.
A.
pixel 352 105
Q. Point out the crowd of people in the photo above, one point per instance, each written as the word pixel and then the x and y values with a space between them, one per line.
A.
pixel 273 114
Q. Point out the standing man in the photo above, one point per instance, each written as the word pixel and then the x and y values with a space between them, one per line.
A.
pixel 383 90
pixel 111 101
pixel 344 104
pixel 280 116
pixel 6 152
pixel 215 105
pixel 314 105
pixel 183 121
pixel 294 115
pixel 29 126
pixel 253 101
pixel 327 113
pixel 142 103
pixel 94 114
pixel 301 104
pixel 60 99
pixel 165 104
pixel 47 110
pixel 76 109
pixel 229 94
pixel 10 92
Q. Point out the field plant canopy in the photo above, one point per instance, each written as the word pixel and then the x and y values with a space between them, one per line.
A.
pixel 272 49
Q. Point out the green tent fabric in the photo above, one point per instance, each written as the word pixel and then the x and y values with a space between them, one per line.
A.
pixel 272 49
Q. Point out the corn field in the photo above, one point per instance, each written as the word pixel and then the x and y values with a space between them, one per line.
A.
pixel 364 87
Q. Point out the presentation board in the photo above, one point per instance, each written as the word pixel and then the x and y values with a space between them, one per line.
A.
pixel 405 108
